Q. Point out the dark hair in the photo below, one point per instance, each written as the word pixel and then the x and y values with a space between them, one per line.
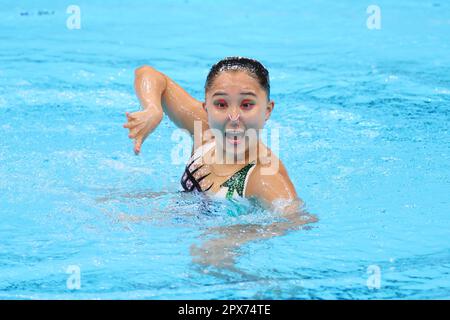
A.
pixel 253 67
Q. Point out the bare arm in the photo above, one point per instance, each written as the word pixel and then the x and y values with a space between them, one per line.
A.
pixel 274 192
pixel 221 252
pixel 159 94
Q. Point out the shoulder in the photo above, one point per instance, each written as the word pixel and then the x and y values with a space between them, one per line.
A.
pixel 269 181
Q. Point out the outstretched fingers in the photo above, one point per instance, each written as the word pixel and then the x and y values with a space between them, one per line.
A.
pixel 130 116
pixel 139 125
pixel 135 126
pixel 138 145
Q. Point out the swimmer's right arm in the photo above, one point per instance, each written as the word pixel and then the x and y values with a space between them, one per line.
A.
pixel 158 94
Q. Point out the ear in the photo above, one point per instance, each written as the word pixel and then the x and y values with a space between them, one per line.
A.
pixel 269 109
pixel 204 106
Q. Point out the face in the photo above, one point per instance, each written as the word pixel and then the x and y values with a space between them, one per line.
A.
pixel 237 106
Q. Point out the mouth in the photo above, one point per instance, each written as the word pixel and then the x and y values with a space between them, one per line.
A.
pixel 234 137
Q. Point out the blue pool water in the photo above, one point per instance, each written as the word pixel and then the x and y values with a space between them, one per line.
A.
pixel 365 138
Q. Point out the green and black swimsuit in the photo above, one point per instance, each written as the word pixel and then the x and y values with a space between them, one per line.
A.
pixel 234 187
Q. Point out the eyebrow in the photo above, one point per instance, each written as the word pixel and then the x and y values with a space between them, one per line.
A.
pixel 247 93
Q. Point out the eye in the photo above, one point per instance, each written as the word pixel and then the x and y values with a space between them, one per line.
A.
pixel 221 104
pixel 247 104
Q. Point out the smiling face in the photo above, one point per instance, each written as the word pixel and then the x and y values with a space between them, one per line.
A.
pixel 236 105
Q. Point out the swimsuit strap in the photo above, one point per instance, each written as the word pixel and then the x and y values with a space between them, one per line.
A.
pixel 238 181
pixel 188 181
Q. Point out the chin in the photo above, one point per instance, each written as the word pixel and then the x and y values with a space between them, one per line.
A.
pixel 237 149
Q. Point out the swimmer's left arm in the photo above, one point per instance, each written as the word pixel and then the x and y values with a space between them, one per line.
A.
pixel 275 192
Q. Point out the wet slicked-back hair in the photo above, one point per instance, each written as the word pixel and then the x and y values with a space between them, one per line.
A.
pixel 253 68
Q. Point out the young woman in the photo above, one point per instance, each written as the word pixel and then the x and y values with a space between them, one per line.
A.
pixel 237 103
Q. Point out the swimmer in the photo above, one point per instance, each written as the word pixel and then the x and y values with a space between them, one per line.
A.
pixel 228 158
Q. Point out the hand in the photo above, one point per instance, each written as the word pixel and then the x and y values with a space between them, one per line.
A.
pixel 141 124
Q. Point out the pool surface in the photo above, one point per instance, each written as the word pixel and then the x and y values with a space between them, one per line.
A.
pixel 364 117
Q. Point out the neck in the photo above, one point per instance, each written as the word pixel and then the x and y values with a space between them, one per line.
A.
pixel 222 157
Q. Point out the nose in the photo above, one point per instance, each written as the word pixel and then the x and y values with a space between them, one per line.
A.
pixel 234 117
pixel 234 114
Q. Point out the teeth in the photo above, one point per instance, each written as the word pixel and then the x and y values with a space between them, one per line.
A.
pixel 234 133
